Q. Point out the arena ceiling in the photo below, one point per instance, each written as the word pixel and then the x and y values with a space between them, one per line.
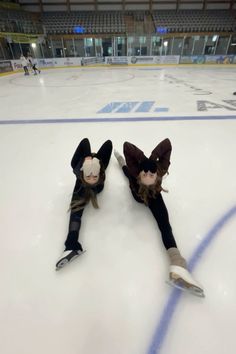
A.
pixel 127 5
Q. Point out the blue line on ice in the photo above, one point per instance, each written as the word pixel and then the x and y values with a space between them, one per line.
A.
pixel 115 119
pixel 167 314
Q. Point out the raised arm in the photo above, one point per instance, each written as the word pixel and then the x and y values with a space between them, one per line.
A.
pixel 162 152
pixel 133 156
pixel 104 153
pixel 123 165
pixel 83 150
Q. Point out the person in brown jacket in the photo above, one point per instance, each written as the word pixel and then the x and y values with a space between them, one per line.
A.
pixel 145 181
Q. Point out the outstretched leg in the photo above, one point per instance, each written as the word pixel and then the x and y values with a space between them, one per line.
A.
pixel 71 242
pixel 179 276
pixel 160 213
pixel 73 248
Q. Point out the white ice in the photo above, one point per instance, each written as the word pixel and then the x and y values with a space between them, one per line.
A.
pixel 110 300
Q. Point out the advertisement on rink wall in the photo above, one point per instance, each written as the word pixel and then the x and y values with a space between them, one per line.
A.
pixel 45 63
pixel 208 59
pixel 219 59
pixel 91 60
pixel 10 65
pixel 54 62
pixel 116 60
pixel 16 64
pixel 194 59
pixel 67 62
pixel 141 60
pixel 169 59
pixel 5 66
pixel 50 63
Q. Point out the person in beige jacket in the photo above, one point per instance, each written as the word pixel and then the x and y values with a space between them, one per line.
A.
pixel 24 64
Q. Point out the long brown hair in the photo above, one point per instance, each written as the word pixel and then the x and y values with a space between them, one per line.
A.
pixel 89 192
pixel 150 192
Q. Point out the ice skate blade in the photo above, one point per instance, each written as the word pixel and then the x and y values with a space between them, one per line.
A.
pixel 193 290
pixel 65 261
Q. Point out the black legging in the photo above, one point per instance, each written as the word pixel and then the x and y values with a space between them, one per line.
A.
pixel 160 213
pixel 158 209
pixel 72 242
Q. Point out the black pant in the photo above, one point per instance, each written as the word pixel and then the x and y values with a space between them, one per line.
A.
pixel 83 150
pixel 160 213
pixel 71 242
pixel 26 70
pixel 35 68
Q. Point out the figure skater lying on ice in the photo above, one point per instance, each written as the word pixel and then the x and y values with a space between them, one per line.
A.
pixel 145 181
pixel 89 169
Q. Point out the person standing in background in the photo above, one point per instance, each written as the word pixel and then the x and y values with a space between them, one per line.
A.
pixel 24 64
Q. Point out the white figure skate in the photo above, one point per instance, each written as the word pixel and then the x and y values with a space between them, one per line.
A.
pixel 180 278
pixel 67 257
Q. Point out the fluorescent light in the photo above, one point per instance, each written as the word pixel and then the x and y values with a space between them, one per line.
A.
pixel 33 45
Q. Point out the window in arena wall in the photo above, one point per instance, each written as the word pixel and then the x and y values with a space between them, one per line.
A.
pixel 6 51
pixel 136 46
pixel 199 44
pixel 142 40
pixel 167 45
pixel 188 45
pixel 89 47
pixel 210 44
pixel 120 46
pixel 79 47
pixel 156 45
pixel 107 47
pixel 69 48
pixel 16 49
pixel 2 54
pixel 232 45
pixel 130 41
pixel 222 45
pixel 47 49
pixel 177 46
pixel 98 47
pixel 58 49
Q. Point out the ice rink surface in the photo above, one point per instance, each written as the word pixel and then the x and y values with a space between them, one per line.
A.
pixel 114 299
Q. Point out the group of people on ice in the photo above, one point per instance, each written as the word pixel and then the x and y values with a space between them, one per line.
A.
pixel 29 63
pixel 144 175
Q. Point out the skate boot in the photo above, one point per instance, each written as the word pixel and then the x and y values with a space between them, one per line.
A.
pixel 67 257
pixel 179 276
pixel 182 279
pixel 119 158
